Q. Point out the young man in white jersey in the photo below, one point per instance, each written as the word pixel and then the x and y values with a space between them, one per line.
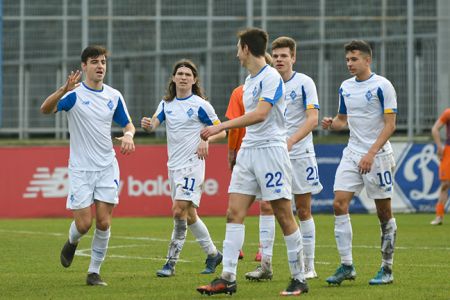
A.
pixel 263 169
pixel 368 104
pixel 301 115
pixel 186 112
pixel 93 169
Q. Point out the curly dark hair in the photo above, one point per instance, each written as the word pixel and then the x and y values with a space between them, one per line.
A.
pixel 171 91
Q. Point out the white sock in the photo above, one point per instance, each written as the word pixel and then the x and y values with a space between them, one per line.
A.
pixel 308 230
pixel 295 255
pixel 234 239
pixel 201 233
pixel 266 236
pixel 343 234
pixel 177 241
pixel 388 236
pixel 99 248
pixel 74 235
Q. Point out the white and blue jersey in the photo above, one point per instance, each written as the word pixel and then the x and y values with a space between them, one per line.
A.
pixel 267 86
pixel 301 94
pixel 365 103
pixel 90 114
pixel 185 118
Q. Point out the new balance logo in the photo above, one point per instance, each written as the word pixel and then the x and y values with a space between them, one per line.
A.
pixel 54 185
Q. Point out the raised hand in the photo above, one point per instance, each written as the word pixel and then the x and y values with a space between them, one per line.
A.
pixel 73 80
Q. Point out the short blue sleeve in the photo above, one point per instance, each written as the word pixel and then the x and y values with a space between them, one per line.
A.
pixel 121 115
pixel 342 108
pixel 67 102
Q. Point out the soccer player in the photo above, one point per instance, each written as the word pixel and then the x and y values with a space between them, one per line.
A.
pixel 368 104
pixel 263 169
pixel 186 112
pixel 301 115
pixel 235 135
pixel 443 153
pixel 93 169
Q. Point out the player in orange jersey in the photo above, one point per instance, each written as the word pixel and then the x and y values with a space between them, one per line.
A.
pixel 443 153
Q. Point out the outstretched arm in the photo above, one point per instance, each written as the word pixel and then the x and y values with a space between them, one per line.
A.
pixel 258 115
pixel 51 102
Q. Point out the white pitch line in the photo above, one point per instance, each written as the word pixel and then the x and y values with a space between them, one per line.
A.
pixel 86 253
pixel 151 239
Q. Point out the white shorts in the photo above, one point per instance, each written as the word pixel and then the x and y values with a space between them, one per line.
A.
pixel 87 186
pixel 378 182
pixel 263 172
pixel 187 183
pixel 305 176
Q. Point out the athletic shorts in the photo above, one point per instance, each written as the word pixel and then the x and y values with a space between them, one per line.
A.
pixel 444 167
pixel 305 176
pixel 87 186
pixel 187 183
pixel 265 173
pixel 378 182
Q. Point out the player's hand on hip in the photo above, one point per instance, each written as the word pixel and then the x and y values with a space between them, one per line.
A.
pixel 365 164
pixel 127 146
pixel 73 80
pixel 326 122
pixel 202 150
pixel 209 131
pixel 146 123
pixel 290 143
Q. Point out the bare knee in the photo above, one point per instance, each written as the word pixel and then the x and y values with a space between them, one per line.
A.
pixel 445 185
pixel 83 225
pixel 304 213
pixel 265 208
pixel 103 224
pixel 179 212
pixel 340 206
pixel 234 216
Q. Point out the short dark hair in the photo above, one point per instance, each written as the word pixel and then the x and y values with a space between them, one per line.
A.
pixel 255 39
pixel 171 91
pixel 93 51
pixel 360 45
pixel 284 42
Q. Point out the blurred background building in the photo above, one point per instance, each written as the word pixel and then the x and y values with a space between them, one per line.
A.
pixel 42 41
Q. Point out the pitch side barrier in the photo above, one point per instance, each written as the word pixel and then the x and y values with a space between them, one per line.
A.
pixel 34 181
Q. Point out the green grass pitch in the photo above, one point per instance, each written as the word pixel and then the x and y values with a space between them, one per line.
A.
pixel 30 268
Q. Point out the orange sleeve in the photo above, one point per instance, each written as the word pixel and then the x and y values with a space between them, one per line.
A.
pixel 235 106
pixel 445 117
pixel 235 109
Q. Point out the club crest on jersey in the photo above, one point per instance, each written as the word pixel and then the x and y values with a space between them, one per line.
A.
pixel 110 105
pixel 368 95
pixel 293 95
pixel 255 92
pixel 190 112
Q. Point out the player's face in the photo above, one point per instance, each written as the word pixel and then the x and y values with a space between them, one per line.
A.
pixel 95 68
pixel 184 78
pixel 282 59
pixel 241 55
pixel 357 62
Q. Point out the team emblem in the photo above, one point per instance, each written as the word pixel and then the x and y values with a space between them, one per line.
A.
pixel 255 91
pixel 110 105
pixel 368 95
pixel 293 95
pixel 190 112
